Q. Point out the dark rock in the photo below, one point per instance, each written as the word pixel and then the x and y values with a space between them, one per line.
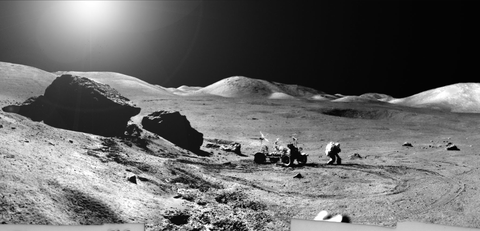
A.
pixel 175 128
pixel 298 176
pixel 132 179
pixel 452 147
pixel 407 144
pixel 79 104
pixel 177 196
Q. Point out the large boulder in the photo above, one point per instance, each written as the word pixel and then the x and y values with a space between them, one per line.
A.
pixel 80 104
pixel 175 128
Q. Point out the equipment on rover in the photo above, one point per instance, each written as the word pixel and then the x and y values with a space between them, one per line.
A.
pixel 286 154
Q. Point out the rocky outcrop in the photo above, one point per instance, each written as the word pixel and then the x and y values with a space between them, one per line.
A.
pixel 175 128
pixel 79 104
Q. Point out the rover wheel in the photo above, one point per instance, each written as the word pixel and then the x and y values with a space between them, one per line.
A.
pixel 287 160
pixel 302 160
pixel 259 158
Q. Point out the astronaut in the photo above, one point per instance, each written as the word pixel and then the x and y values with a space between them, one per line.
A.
pixel 331 150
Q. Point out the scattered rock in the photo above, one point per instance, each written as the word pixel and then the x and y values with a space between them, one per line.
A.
pixel 177 217
pixel 174 127
pixel 210 145
pixel 79 104
pixel 452 147
pixel 407 144
pixel 234 147
pixel 225 145
pixel 355 156
pixel 133 130
pixel 132 179
pixel 298 176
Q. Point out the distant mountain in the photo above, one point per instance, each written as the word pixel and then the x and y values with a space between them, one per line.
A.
pixel 240 86
pixel 19 82
pixel 460 97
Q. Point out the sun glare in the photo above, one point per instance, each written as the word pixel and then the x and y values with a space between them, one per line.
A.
pixel 88 12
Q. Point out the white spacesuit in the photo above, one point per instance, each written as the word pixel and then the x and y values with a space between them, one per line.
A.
pixel 331 150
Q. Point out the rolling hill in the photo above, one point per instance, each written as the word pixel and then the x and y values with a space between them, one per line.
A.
pixel 460 97
pixel 131 87
pixel 20 82
pixel 240 86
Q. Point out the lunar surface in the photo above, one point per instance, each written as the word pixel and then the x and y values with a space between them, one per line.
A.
pixel 62 177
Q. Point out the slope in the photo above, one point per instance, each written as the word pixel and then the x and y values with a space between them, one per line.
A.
pixel 460 97
pixel 19 82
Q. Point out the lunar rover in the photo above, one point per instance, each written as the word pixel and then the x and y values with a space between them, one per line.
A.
pixel 286 154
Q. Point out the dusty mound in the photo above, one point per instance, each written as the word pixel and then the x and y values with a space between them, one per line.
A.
pixel 131 87
pixel 174 127
pixel 461 97
pixel 79 104
pixel 19 82
pixel 239 86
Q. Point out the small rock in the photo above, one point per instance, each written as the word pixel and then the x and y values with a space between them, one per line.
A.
pixel 177 196
pixel 132 179
pixel 201 203
pixel 71 141
pixel 1 126
pixel 13 128
pixel 355 156
pixel 298 176
pixel 452 147
pixel 407 144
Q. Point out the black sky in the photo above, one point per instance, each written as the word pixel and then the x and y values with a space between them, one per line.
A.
pixel 349 47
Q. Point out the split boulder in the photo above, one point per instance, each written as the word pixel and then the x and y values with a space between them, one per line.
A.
pixel 175 128
pixel 79 104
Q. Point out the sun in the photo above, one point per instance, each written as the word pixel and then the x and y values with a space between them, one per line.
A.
pixel 88 13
